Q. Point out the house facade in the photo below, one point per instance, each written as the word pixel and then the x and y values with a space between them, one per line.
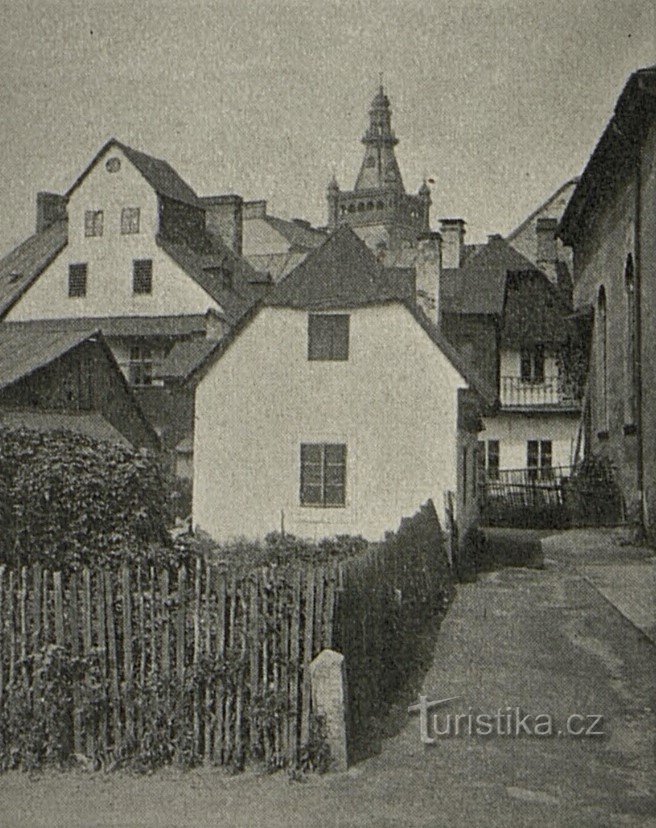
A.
pixel 360 412
pixel 610 223
pixel 52 380
pixel 506 316
pixel 131 250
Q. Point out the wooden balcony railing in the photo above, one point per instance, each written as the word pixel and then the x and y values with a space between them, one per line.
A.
pixel 519 393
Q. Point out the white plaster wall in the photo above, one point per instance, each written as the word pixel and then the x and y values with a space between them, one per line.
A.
pixel 514 430
pixel 393 403
pixel 110 256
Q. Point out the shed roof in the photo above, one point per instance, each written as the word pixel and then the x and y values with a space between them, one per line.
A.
pixel 91 424
pixel 24 351
pixel 111 326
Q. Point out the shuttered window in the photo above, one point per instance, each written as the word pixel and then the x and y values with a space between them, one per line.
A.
pixel 130 217
pixel 142 276
pixel 328 336
pixel 77 280
pixel 323 474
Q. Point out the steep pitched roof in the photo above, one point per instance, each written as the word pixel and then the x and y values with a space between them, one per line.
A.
pixel 342 272
pixel 158 173
pixel 20 268
pixel 275 265
pixel 479 286
pixel 553 197
pixel 184 357
pixel 634 110
pixel 299 235
pixel 24 351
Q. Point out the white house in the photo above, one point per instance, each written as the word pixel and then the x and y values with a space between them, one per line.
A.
pixel 334 407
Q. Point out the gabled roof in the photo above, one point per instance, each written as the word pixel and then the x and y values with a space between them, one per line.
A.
pixel 24 351
pixel 534 311
pixel 299 235
pixel 158 173
pixel 276 265
pixel 22 267
pixel 342 272
pixel 479 286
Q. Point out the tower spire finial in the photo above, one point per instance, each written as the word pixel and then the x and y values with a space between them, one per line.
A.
pixel 380 80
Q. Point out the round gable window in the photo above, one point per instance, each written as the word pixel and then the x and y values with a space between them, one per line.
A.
pixel 113 165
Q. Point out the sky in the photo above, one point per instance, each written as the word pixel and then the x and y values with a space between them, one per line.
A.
pixel 499 102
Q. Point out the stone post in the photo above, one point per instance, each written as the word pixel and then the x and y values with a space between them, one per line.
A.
pixel 328 679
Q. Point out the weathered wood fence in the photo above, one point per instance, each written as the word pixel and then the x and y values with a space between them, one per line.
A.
pixel 200 662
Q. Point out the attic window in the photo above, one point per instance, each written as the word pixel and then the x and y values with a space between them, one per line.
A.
pixel 142 276
pixel 328 337
pixel 130 220
pixel 113 165
pixel 93 223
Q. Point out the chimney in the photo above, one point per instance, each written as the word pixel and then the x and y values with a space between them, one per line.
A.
pixel 50 207
pixel 224 218
pixel 453 240
pixel 547 256
pixel 428 273
pixel 255 209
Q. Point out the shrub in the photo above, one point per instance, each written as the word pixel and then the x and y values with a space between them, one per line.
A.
pixel 70 500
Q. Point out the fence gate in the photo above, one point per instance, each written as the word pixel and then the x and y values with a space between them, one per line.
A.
pixel 532 498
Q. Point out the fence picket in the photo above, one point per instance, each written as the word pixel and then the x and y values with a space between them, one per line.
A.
pixel 110 620
pixel 128 660
pixel 102 649
pixel 59 608
pixel 87 646
pixel 196 655
pixel 219 697
pixel 294 639
pixel 308 633
pixel 207 705
pixel 3 648
pixel 253 597
pixel 75 651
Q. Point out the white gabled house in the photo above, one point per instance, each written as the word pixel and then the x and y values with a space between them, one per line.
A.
pixel 334 407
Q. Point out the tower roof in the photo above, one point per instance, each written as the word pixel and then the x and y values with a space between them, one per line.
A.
pixel 380 169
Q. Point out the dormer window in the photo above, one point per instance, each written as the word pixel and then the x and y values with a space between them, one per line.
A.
pixel 328 336
pixel 93 223
pixel 142 276
pixel 130 217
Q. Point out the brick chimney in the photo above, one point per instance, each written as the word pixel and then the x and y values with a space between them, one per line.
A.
pixel 428 272
pixel 255 209
pixel 453 240
pixel 547 253
pixel 224 218
pixel 50 207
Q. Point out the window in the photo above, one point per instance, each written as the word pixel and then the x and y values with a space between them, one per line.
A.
pixel 141 365
pixel 77 280
pixel 631 344
pixel 328 336
pixel 323 474
pixel 130 220
pixel 601 367
pixel 532 364
pixel 142 276
pixel 538 459
pixel 93 223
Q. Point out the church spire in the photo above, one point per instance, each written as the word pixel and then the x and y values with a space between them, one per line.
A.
pixel 379 167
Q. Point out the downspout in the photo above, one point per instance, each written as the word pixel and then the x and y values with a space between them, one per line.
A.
pixel 638 312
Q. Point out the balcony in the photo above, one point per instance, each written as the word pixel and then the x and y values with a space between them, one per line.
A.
pixel 550 393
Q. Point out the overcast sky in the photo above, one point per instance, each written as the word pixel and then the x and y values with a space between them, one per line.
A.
pixel 498 101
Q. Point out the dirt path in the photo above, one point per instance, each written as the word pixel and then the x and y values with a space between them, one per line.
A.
pixel 543 641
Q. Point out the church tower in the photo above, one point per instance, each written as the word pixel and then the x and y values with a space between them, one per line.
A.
pixel 378 208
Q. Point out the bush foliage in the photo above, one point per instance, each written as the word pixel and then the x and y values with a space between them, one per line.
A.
pixel 69 500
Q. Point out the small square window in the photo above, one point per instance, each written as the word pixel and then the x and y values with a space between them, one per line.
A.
pixel 141 365
pixel 142 276
pixel 328 337
pixel 323 474
pixel 93 223
pixel 77 280
pixel 130 220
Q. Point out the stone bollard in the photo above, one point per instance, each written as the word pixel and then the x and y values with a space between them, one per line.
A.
pixel 328 680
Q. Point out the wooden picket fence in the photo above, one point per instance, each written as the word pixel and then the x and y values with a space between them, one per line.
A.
pixel 220 661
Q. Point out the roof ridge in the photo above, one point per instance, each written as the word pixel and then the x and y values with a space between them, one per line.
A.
pixel 533 214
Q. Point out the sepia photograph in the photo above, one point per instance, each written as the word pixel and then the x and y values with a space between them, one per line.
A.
pixel 327 413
